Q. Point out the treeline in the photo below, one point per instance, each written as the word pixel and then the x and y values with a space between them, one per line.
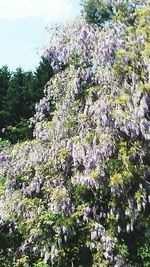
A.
pixel 19 92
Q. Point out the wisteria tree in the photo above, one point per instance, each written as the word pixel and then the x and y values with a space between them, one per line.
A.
pixel 79 193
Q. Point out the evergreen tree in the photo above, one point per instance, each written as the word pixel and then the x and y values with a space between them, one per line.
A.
pixel 101 11
pixel 20 91
pixel 97 12
pixel 5 77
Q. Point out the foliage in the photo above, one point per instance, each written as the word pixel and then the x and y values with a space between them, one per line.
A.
pixel 78 194
pixel 97 12
pixel 101 12
pixel 20 91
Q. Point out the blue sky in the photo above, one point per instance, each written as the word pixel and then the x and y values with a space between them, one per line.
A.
pixel 22 28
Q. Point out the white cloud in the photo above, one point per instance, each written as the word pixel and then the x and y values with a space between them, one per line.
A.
pixel 49 10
